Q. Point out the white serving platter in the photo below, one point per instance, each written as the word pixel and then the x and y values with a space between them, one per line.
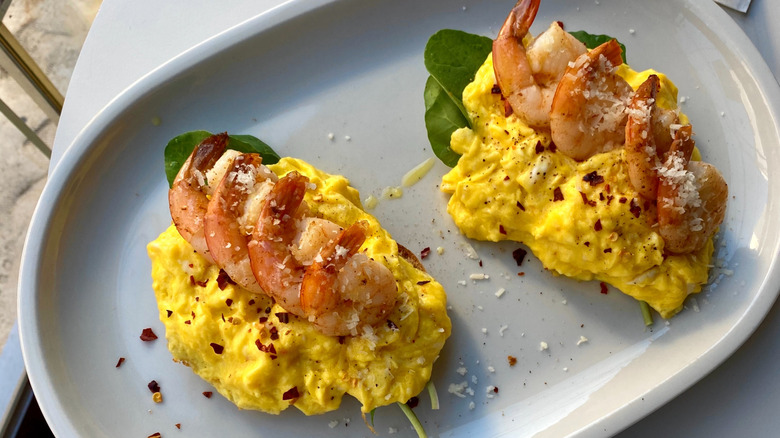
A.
pixel 304 70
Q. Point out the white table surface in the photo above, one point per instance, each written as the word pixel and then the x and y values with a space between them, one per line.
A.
pixel 740 398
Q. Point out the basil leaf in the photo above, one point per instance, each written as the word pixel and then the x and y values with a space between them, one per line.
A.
pixel 442 118
pixel 180 148
pixel 452 57
pixel 592 41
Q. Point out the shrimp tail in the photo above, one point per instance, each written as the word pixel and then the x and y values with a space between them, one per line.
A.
pixel 683 143
pixel 513 72
pixel 282 203
pixel 520 19
pixel 641 153
pixel 612 51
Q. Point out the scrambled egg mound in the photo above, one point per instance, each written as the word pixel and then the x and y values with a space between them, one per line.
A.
pixel 260 357
pixel 583 220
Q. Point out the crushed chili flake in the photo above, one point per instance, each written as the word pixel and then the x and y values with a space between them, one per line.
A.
pixel 197 298
pixel 148 335
pixel 597 226
pixel 423 282
pixel 635 209
pixel 557 194
pixel 608 250
pixel 391 325
pixel 506 178
pixel 284 317
pixel 263 319
pixel 119 362
pixel 251 302
pixel 267 310
pixel 501 229
pixel 169 312
pixel 425 252
pixel 291 394
pixel 622 200
pixel 508 110
pixel 593 178
pixel 229 302
pixel 552 148
pixel 512 360
pixel 519 255
pixel 520 274
pixel 539 147
pixel 413 402
pixel 199 283
pixel 154 386
pixel 495 89
pixel 207 394
pixel 217 348
pixel 520 206
pixel 178 425
pixel 223 279
pixel 495 389
pixel 265 348
pixel 586 201
pixel 604 289
pixel 155 435
pixel 587 243
pixel 188 322
pixel 274 334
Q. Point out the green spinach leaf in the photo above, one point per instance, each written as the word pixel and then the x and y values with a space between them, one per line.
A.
pixel 452 57
pixel 592 41
pixel 180 147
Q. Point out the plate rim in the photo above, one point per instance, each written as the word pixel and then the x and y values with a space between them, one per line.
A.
pixel 78 151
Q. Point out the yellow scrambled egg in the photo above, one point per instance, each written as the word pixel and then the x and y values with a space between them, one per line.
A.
pixel 583 220
pixel 261 358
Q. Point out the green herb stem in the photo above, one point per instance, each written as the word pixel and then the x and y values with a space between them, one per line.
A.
pixel 646 315
pixel 418 427
pixel 434 395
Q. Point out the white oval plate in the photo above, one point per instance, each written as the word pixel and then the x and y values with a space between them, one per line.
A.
pixel 299 72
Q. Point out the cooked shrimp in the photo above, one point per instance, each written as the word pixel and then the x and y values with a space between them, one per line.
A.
pixel 528 77
pixel 227 235
pixel 345 289
pixel 276 270
pixel 588 111
pixel 648 137
pixel 187 197
pixel 691 198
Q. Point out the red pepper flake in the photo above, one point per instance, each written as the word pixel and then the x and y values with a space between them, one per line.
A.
pixel 148 335
pixel 425 252
pixel 604 289
pixel 283 317
pixel 193 315
pixel 586 201
pixel 207 394
pixel 593 178
pixel 609 199
pixel 217 348
pixel 169 312
pixel 265 348
pixel 480 263
pixel 424 282
pixel 199 283
pixel 520 206
pixel 223 316
pixel 267 310
pixel 342 339
pixel 391 325
pixel 495 389
pixel 506 178
pixel 229 302
pixel 560 23
pixel 155 435
pixel 496 89
pixel 557 194
pixel 413 402
pixel 188 322
pixel 251 302
pixel 291 394
pixel 539 147
pixel 608 250
pixel 635 209
pixel 501 229
pixel 608 189
pixel 512 360
pixel 552 148
pixel 178 426
pixel 597 226
pixel 120 362
pixel 263 319
pixel 274 333
pixel 223 280
pixel 587 243
pixel 519 255
pixel 622 200
pixel 197 299
pixel 520 274
pixel 153 386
